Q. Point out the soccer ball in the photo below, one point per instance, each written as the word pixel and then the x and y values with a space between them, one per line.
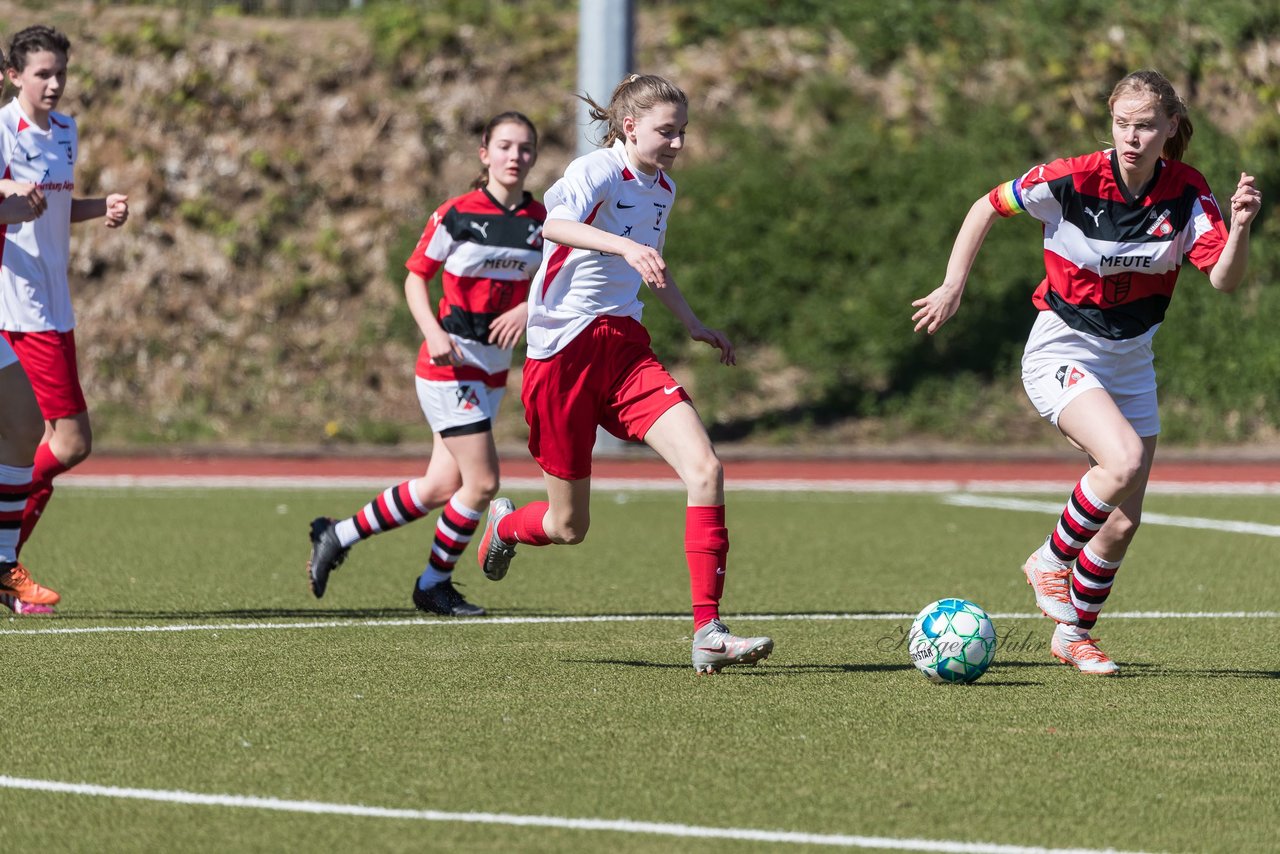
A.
pixel 952 640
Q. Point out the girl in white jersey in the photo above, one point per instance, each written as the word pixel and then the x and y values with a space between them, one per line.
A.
pixel 40 146
pixel 21 428
pixel 1117 225
pixel 590 364
pixel 486 244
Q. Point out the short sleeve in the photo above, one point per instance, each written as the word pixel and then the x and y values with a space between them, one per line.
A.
pixel 1207 232
pixel 434 246
pixel 585 184
pixel 1030 193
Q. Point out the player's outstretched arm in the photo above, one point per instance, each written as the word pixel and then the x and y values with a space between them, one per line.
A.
pixel 1246 201
pixel 938 307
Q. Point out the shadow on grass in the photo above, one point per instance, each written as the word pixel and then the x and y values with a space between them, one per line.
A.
pixel 244 614
pixel 1129 670
pixel 774 669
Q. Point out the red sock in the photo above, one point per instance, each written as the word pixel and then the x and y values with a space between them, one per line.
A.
pixel 46 468
pixel 524 526
pixel 706 545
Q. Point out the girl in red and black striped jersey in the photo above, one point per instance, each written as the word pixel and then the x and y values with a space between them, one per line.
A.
pixel 487 244
pixel 1117 224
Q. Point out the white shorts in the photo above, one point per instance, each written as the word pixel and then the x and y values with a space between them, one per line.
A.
pixel 1059 364
pixel 7 356
pixel 457 408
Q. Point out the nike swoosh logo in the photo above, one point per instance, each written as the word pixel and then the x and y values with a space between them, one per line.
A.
pixel 720 571
pixel 720 648
pixel 673 390
pixel 624 207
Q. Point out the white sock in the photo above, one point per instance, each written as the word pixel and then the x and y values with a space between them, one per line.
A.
pixel 1047 556
pixel 1071 634
pixel 347 532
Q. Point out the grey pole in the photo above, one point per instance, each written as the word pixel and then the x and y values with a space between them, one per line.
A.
pixel 606 33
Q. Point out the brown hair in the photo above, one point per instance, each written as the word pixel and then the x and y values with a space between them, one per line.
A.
pixel 634 96
pixel 1155 84
pixel 33 40
pixel 513 117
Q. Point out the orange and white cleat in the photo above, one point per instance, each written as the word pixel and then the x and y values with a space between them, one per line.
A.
pixel 17 583
pixel 1083 655
pixel 1049 579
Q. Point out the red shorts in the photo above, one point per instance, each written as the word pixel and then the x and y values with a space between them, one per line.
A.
pixel 607 377
pixel 49 358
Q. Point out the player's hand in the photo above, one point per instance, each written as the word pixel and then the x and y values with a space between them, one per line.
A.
pixel 646 261
pixel 117 210
pixel 1246 201
pixel 441 348
pixel 937 308
pixel 716 339
pixel 505 329
pixel 23 203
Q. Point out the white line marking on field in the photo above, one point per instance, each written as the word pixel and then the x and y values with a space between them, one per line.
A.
pixel 684 831
pixel 671 484
pixel 1227 525
pixel 462 622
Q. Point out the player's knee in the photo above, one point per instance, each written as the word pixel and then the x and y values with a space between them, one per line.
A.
pixel 485 488
pixel 1123 527
pixel 706 475
pixel 1127 468
pixel 569 531
pixel 75 450
pixel 434 494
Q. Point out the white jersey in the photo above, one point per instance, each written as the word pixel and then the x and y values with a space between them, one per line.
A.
pixel 575 286
pixel 34 295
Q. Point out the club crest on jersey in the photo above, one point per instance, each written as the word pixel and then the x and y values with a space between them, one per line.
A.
pixel 1162 227
pixel 1115 289
pixel 467 399
pixel 1068 375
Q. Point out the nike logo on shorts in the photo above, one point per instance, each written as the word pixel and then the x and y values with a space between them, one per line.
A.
pixel 671 390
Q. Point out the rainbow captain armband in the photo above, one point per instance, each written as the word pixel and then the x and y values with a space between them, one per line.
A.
pixel 1006 199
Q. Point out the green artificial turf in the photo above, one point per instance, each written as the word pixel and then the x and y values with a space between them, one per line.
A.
pixel 835 734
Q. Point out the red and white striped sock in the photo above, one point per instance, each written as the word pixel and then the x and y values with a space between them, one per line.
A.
pixel 15 488
pixel 1084 514
pixel 1091 582
pixel 394 508
pixel 454 529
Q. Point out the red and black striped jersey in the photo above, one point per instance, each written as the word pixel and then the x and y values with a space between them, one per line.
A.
pixel 489 255
pixel 1111 257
